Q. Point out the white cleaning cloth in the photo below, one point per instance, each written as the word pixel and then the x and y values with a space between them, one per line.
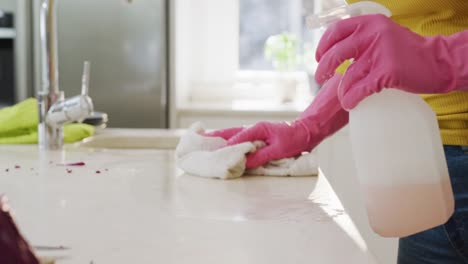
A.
pixel 209 157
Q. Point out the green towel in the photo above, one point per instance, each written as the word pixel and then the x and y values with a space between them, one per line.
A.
pixel 18 125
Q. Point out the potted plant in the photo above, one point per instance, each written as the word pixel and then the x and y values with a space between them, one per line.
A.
pixel 282 51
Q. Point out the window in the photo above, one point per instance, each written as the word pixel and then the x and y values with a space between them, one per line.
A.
pixel 259 19
pixel 219 47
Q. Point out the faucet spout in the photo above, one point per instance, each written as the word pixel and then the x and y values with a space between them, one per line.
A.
pixel 49 57
pixel 48 93
pixel 54 109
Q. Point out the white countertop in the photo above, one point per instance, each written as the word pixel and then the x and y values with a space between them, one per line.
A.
pixel 141 209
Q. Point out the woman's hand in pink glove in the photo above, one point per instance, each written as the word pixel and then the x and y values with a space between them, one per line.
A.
pixel 226 133
pixel 282 140
pixel 387 55
pixel 321 119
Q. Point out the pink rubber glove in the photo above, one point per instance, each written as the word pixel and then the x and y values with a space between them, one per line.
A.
pixel 321 119
pixel 226 133
pixel 387 55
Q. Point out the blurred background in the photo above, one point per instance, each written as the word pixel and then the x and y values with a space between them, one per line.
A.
pixel 166 64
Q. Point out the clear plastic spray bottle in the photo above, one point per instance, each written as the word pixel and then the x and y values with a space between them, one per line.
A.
pixel 397 151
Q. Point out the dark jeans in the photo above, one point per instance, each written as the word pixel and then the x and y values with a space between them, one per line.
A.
pixel 447 243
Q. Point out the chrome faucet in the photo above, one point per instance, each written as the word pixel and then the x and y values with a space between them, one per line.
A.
pixel 54 109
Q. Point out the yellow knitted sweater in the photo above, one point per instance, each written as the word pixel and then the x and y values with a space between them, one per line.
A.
pixel 429 18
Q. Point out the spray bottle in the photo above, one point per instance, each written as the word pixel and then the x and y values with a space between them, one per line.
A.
pixel 397 151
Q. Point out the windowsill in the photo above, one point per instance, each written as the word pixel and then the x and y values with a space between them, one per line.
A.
pixel 265 86
pixel 242 107
pixel 252 93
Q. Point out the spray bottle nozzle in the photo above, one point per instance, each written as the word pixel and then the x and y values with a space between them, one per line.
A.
pixel 328 17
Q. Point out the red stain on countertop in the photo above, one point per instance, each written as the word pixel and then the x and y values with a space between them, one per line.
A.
pixel 74 164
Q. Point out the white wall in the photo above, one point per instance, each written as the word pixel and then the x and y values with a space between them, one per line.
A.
pixel 204 28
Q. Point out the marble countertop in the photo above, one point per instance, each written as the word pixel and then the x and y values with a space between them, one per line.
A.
pixel 135 206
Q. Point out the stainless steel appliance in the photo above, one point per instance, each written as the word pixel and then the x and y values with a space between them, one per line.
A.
pixel 125 41
pixel 7 62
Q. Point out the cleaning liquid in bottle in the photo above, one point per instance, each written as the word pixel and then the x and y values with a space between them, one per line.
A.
pixel 397 151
